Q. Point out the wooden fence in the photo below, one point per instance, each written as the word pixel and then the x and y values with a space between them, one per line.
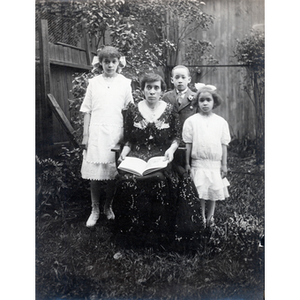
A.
pixel 55 67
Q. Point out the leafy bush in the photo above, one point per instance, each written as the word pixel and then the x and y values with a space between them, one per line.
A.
pixel 80 83
pixel 250 52
pixel 244 231
pixel 58 181
pixel 243 147
pixel 137 29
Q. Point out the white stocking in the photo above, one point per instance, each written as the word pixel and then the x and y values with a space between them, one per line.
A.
pixel 95 197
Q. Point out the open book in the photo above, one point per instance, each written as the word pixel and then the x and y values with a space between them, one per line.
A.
pixel 140 167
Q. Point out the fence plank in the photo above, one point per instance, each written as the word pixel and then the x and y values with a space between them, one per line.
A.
pixel 46 116
pixel 70 46
pixel 71 65
pixel 82 57
pixel 62 119
pixel 87 49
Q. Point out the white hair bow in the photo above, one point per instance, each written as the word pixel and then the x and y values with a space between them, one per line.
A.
pixel 122 61
pixel 95 61
pixel 199 86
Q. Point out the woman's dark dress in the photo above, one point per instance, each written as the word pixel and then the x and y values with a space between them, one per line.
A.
pixel 163 205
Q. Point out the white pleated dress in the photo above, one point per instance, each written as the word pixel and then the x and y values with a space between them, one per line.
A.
pixel 105 101
pixel 207 135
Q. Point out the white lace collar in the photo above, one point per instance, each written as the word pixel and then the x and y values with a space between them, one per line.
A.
pixel 151 115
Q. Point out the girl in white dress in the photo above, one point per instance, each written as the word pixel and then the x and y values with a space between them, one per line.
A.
pixel 207 136
pixel 107 94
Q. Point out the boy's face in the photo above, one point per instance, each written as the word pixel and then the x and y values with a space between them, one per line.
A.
pixel 180 79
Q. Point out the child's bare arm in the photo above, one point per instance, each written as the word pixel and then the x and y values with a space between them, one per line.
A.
pixel 86 125
pixel 188 156
pixel 224 161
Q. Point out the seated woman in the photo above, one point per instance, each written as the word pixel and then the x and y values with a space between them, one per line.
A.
pixel 164 204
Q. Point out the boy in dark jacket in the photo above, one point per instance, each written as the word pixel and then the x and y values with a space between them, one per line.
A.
pixel 182 97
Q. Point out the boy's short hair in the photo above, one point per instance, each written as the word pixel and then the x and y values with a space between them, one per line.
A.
pixel 151 77
pixel 181 67
pixel 108 52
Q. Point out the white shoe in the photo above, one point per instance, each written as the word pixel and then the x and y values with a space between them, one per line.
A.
pixel 92 220
pixel 211 222
pixel 204 222
pixel 109 213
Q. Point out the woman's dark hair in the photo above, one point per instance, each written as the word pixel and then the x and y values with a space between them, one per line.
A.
pixel 151 77
pixel 108 52
pixel 217 98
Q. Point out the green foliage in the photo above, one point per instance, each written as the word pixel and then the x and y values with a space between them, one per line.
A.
pixel 49 177
pixel 95 17
pixel 80 83
pixel 61 21
pixel 244 231
pixel 251 53
pixel 59 180
pixel 139 29
pixel 251 50
pixel 198 52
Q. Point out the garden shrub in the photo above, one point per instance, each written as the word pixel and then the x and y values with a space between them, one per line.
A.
pixel 80 83
pixel 59 181
pixel 250 52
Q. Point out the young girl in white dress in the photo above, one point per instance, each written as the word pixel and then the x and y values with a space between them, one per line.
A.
pixel 207 136
pixel 107 94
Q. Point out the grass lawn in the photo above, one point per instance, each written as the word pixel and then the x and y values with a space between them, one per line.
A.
pixel 75 262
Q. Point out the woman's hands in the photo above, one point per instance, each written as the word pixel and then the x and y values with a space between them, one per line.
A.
pixel 124 153
pixel 188 168
pixel 121 158
pixel 169 154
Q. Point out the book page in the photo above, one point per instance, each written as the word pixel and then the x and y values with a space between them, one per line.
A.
pixel 133 165
pixel 155 163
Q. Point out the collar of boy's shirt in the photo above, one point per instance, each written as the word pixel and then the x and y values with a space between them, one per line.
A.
pixel 181 93
pixel 180 96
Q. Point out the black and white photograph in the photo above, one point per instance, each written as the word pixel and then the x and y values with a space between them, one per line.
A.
pixel 149 152
pixel 183 80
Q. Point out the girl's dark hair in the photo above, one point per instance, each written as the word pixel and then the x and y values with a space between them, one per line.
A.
pixel 151 77
pixel 108 52
pixel 217 98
